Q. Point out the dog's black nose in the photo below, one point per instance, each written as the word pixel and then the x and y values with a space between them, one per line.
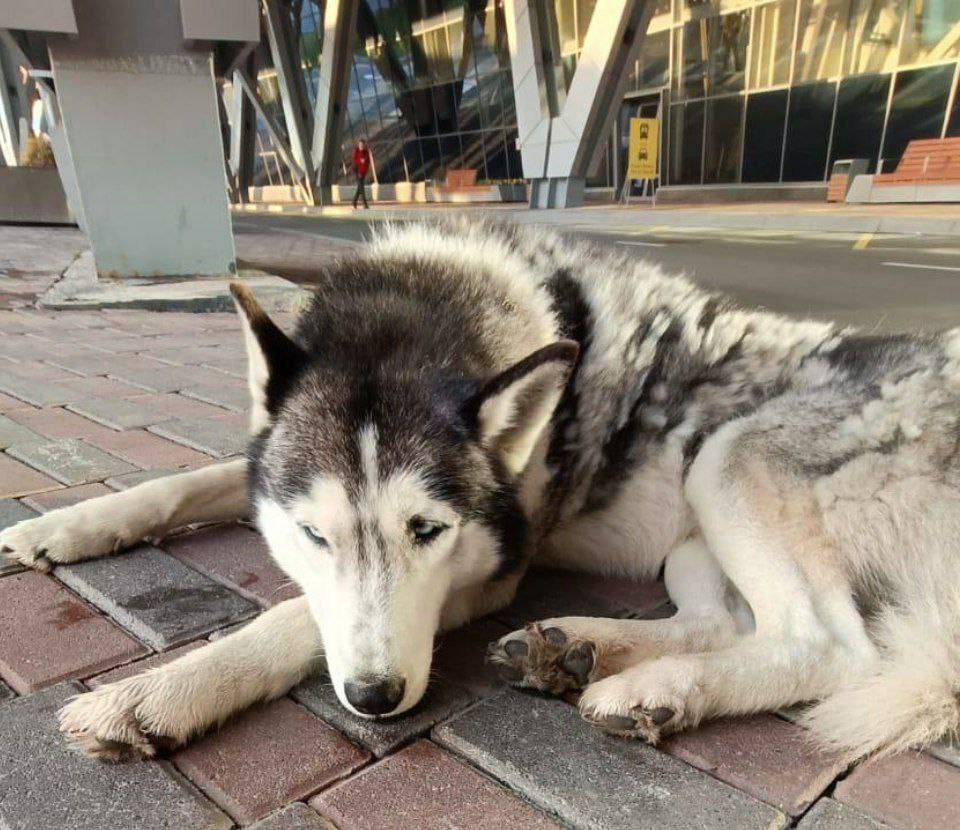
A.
pixel 375 695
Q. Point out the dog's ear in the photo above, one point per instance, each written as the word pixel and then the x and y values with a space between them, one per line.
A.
pixel 273 359
pixel 510 410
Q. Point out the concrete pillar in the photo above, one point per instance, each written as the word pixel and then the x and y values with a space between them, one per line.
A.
pixel 562 137
pixel 137 99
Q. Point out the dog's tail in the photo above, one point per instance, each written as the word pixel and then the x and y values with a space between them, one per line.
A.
pixel 913 697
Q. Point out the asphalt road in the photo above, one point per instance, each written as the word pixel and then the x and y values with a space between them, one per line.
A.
pixel 880 282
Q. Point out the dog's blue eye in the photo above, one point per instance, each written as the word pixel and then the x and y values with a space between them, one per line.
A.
pixel 424 530
pixel 315 536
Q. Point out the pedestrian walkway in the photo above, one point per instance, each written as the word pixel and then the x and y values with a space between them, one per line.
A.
pixel 96 401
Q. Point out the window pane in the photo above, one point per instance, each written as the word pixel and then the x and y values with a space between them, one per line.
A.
pixel 653 62
pixel 691 51
pixel 861 106
pixel 686 143
pixel 772 44
pixel 822 24
pixel 953 126
pixel 917 109
pixel 873 33
pixel 763 142
pixel 722 161
pixel 932 31
pixel 729 35
pixel 808 132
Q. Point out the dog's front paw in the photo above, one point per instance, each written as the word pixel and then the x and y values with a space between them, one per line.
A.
pixel 113 723
pixel 66 535
pixel 647 702
pixel 543 657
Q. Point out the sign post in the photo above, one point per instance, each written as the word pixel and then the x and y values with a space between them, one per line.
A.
pixel 642 155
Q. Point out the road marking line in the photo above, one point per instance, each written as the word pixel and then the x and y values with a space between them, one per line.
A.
pixel 644 244
pixel 926 267
pixel 863 241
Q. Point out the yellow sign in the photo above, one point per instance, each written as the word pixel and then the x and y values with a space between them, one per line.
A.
pixel 643 147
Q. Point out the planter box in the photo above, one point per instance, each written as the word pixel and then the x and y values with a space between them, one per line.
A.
pixel 33 195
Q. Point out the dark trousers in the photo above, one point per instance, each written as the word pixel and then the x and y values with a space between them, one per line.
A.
pixel 361 192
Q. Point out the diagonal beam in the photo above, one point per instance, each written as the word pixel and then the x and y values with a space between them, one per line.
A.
pixel 296 112
pixel 272 127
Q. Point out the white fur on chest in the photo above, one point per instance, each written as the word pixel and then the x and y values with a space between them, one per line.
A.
pixel 633 534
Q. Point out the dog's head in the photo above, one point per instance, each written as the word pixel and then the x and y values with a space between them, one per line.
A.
pixel 384 489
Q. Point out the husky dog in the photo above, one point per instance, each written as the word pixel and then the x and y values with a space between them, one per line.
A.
pixel 462 399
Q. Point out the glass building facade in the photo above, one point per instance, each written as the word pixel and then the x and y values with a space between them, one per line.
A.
pixel 748 90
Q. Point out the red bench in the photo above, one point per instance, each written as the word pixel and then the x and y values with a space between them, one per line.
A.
pixel 926 161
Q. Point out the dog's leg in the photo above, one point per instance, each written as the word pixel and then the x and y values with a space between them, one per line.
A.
pixel 766 533
pixel 110 523
pixel 170 704
pixel 570 652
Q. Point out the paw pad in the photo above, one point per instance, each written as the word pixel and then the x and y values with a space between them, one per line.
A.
pixel 544 659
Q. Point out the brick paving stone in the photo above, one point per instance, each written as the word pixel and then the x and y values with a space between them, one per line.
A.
pixel 55 422
pixel 546 593
pixel 269 756
pixel 12 432
pixel 18 479
pixel 55 787
pixel 128 480
pixel 443 698
pixel 195 355
pixel 214 437
pixel 144 449
pixel 296 816
pixel 541 748
pixel 236 557
pixel 7 403
pixel 828 814
pixel 46 393
pixel 767 757
pixel 98 387
pixel 158 598
pixel 425 787
pixel 11 512
pixel 163 377
pixel 176 406
pixel 460 656
pixel 34 370
pixel 95 364
pixel 130 669
pixel 230 394
pixel 460 677
pixel 912 791
pixel 71 461
pixel 119 414
pixel 65 497
pixel 47 635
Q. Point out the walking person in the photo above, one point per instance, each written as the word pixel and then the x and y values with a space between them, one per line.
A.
pixel 361 166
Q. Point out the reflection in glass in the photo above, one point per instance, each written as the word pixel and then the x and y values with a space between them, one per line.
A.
pixel 917 109
pixel 931 31
pixel 861 106
pixel 729 35
pixel 874 30
pixel 763 140
pixel 772 44
pixel 820 42
pixel 808 132
pixel 722 159
pixel 686 143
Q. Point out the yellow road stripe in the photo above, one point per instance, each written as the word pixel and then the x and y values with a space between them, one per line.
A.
pixel 863 241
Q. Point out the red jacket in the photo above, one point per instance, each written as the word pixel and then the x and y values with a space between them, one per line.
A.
pixel 361 160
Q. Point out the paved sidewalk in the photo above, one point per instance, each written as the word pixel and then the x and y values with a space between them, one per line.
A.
pixel 92 402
